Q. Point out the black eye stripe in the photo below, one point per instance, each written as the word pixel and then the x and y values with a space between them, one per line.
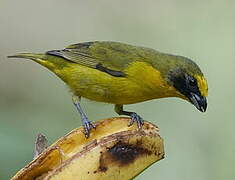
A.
pixel 185 84
pixel 190 81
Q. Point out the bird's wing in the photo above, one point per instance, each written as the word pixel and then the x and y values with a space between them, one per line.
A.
pixel 109 57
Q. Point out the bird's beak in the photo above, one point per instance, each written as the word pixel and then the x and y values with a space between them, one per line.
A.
pixel 198 101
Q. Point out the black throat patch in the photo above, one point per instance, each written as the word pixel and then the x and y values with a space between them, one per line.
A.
pixel 184 83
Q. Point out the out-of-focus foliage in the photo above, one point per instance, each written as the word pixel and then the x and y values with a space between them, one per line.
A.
pixel 198 145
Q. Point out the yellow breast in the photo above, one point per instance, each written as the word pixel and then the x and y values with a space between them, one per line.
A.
pixel 143 82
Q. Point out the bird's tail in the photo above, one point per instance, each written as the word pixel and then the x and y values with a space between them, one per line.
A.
pixel 32 56
pixel 53 63
pixel 42 59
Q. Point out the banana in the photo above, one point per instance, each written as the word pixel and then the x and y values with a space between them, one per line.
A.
pixel 113 151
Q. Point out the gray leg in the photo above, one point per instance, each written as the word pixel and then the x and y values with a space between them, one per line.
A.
pixel 85 122
pixel 134 117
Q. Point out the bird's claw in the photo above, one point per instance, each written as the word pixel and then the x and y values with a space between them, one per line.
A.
pixel 136 118
pixel 88 125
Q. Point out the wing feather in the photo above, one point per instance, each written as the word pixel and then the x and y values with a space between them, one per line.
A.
pixel 113 57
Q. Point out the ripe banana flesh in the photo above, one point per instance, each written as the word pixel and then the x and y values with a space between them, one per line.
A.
pixel 113 151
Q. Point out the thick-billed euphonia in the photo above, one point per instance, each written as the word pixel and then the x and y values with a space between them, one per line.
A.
pixel 119 74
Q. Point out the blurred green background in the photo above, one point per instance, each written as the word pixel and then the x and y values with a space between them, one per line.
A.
pixel 199 146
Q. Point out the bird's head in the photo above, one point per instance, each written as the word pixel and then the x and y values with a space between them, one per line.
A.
pixel 188 80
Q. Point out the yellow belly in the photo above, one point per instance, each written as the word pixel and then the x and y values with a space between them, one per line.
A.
pixel 140 85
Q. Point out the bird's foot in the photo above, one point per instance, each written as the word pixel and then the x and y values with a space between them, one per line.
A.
pixel 88 125
pixel 136 118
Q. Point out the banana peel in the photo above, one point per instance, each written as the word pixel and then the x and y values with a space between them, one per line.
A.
pixel 113 151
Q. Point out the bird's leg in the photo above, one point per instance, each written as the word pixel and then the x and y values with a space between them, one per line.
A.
pixel 134 117
pixel 85 122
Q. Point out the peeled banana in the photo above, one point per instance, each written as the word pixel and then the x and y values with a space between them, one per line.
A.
pixel 114 151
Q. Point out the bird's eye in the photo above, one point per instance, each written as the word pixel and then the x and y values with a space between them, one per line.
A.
pixel 192 82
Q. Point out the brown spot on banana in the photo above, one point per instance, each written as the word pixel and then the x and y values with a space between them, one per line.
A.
pixel 113 151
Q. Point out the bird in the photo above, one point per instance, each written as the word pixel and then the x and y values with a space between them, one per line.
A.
pixel 120 74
